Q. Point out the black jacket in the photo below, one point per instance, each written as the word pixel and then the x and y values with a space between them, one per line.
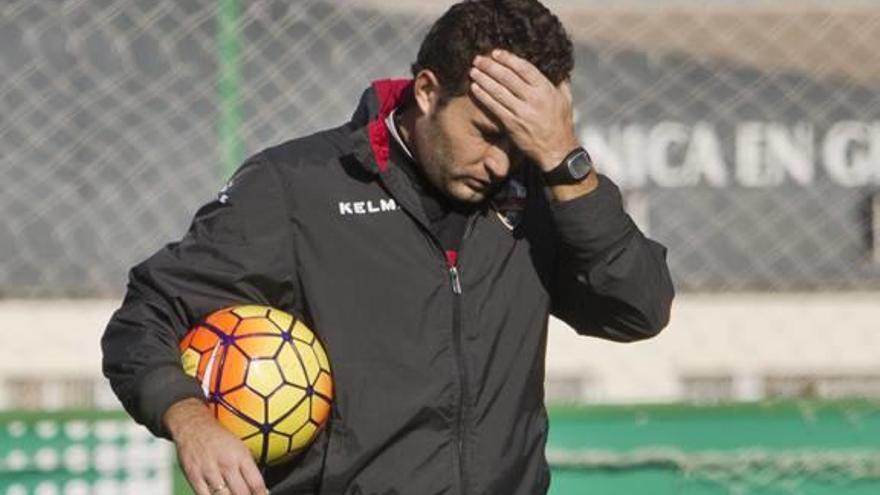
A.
pixel 438 369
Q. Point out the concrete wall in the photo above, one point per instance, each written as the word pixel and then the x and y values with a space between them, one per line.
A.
pixel 731 344
pixel 750 338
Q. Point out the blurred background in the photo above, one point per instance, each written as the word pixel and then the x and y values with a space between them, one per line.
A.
pixel 745 135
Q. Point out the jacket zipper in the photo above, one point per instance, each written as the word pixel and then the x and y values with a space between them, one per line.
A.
pixel 455 283
pixel 455 280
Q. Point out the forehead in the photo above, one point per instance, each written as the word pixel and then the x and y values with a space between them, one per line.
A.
pixel 469 109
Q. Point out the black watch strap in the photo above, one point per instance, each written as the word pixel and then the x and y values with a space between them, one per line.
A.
pixel 574 167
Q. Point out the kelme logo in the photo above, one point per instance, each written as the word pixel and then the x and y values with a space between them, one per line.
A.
pixel 367 207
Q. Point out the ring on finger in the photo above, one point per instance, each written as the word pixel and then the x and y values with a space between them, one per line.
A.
pixel 218 489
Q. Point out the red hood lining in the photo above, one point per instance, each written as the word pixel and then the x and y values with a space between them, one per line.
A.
pixel 389 94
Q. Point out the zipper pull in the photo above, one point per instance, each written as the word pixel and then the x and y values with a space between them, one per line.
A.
pixel 456 279
pixel 452 264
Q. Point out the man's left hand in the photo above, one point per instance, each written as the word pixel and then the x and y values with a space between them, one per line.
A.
pixel 536 114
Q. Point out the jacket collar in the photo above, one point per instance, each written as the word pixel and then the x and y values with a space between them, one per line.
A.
pixel 372 146
pixel 370 136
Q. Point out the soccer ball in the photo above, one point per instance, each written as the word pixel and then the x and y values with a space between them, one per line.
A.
pixel 265 376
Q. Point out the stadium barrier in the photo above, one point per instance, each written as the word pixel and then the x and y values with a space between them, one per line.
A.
pixel 762 448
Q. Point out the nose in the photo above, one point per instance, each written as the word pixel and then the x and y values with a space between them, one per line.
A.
pixel 497 164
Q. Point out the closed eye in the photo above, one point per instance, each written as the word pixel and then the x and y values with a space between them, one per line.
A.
pixel 491 135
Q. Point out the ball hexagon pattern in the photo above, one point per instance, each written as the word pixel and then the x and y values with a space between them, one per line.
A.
pixel 265 376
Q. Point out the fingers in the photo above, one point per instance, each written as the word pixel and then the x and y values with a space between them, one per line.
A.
pixel 497 91
pixel 235 483
pixel 214 483
pixel 209 475
pixel 198 485
pixel 253 478
pixel 218 463
pixel 496 107
pixel 536 113
pixel 245 480
pixel 504 75
pixel 199 480
pixel 522 67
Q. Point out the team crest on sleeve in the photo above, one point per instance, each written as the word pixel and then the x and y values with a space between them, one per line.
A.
pixel 223 195
pixel 510 203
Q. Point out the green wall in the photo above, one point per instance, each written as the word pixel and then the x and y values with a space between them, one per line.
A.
pixel 762 448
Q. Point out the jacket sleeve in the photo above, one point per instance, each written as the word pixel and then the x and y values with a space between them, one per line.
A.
pixel 611 281
pixel 238 249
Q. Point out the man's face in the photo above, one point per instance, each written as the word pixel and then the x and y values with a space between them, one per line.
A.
pixel 464 151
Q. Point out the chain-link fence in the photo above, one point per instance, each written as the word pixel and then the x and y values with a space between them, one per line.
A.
pixel 747 135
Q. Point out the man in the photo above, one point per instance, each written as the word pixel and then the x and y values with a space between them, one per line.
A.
pixel 426 241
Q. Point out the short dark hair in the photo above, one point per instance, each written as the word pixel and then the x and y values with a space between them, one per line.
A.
pixel 475 27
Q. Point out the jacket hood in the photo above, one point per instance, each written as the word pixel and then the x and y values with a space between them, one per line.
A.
pixel 370 136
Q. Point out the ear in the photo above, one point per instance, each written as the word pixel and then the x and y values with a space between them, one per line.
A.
pixel 426 91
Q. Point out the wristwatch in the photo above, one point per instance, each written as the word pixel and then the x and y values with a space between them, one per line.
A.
pixel 572 170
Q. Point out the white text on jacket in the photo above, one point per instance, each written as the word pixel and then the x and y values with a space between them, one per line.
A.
pixel 366 207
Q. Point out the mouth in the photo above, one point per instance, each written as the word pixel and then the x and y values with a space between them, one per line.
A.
pixel 477 184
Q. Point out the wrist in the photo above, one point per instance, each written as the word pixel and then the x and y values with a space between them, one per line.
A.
pixel 182 414
pixel 552 158
pixel 562 193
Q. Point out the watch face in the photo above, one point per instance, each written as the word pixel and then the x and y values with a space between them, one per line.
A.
pixel 579 165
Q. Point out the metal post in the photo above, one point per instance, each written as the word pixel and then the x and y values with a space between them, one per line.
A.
pixel 229 87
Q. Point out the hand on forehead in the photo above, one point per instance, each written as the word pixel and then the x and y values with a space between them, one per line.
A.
pixel 537 115
pixel 509 72
pixel 514 72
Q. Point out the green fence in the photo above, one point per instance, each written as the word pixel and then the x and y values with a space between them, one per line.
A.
pixel 77 453
pixel 760 448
